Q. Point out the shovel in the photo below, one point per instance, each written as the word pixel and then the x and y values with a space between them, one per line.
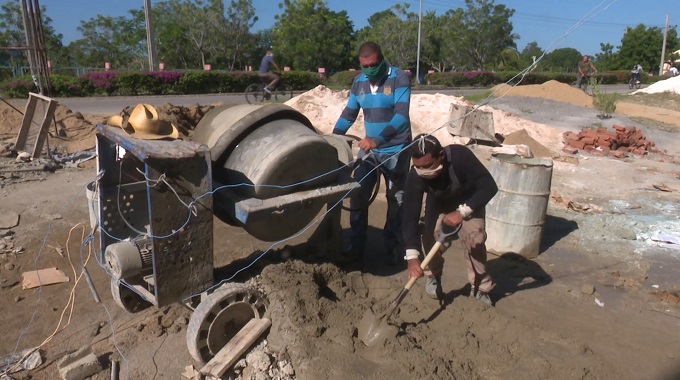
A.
pixel 372 329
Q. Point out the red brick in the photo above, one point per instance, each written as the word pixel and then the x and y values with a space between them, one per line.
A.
pixel 616 153
pixel 639 152
pixel 640 143
pixel 603 143
pixel 577 144
pixel 605 149
pixel 629 130
pixel 618 127
pixel 569 150
pixel 602 130
pixel 588 140
pixel 622 149
pixel 589 148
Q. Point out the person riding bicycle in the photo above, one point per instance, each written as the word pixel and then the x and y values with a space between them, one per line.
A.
pixel 271 77
pixel 584 70
pixel 636 73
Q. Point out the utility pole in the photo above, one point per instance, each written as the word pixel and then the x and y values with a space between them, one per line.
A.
pixel 29 37
pixel 149 35
pixel 420 21
pixel 663 48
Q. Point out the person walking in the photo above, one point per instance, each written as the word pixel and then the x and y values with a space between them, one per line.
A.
pixel 384 93
pixel 265 73
pixel 458 187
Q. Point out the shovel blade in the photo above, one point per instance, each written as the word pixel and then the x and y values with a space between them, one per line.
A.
pixel 375 330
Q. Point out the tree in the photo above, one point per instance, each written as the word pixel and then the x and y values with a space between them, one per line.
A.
pixel 396 31
pixel 233 28
pixel 643 45
pixel 607 59
pixel 12 34
pixel 561 60
pixel 485 32
pixel 308 35
pixel 120 41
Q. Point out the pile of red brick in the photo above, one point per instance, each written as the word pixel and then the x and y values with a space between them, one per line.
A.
pixel 604 142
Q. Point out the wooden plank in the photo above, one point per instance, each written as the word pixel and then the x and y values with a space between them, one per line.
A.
pixel 44 126
pixel 233 350
pixel 20 142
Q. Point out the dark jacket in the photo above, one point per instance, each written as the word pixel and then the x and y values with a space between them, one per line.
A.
pixel 464 180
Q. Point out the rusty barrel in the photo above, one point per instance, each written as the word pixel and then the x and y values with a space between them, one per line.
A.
pixel 516 215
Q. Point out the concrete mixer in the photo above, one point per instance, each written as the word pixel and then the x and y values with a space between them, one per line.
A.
pixel 262 167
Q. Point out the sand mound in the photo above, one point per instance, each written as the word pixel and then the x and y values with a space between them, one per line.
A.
pixel 552 90
pixel 429 114
pixel 666 85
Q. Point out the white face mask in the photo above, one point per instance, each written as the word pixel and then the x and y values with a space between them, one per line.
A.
pixel 429 173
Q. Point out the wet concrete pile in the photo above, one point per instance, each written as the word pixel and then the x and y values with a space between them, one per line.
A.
pixel 604 142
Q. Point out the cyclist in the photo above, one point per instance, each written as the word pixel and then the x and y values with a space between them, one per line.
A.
pixel 584 70
pixel 635 74
pixel 266 75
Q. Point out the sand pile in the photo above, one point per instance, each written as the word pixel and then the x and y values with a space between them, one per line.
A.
pixel 666 85
pixel 429 112
pixel 552 90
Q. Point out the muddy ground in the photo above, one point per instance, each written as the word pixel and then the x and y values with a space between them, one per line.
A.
pixel 600 302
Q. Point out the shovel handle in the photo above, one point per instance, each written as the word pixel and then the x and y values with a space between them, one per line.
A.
pixel 424 264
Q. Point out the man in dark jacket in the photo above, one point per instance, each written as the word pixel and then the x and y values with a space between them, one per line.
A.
pixel 458 187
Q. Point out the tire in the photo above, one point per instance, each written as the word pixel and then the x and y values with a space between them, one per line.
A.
pixel 254 93
pixel 220 316
pixel 637 85
pixel 283 93
pixel 127 299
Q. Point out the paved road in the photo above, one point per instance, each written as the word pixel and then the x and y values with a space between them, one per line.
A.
pixel 114 104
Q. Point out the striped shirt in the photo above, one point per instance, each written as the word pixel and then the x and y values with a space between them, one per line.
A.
pixel 386 110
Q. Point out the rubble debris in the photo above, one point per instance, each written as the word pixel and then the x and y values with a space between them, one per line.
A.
pixel 588 289
pixel 41 277
pixel 662 187
pixel 604 142
pixel 79 365
pixel 27 359
pixel 8 219
pixel 231 352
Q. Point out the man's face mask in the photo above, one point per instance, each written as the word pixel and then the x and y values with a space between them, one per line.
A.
pixel 430 173
pixel 375 73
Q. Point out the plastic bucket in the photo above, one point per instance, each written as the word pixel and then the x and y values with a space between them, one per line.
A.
pixel 515 216
pixel 92 203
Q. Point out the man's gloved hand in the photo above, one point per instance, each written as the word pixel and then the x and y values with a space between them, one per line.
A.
pixel 452 219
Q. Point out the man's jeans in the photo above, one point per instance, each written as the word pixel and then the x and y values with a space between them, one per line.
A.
pixel 394 170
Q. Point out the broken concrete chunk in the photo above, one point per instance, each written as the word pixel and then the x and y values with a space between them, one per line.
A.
pixel 587 289
pixel 79 365
pixel 8 219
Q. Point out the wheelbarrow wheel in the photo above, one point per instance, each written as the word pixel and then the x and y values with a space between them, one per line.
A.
pixel 219 317
pixel 126 298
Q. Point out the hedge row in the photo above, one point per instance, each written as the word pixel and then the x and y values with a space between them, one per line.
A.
pixel 152 83
pixel 487 78
pixel 210 82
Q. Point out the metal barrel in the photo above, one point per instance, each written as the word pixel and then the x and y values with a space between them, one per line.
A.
pixel 516 215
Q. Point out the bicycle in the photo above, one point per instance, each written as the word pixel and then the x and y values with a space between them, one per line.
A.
pixel 586 83
pixel 255 93
pixel 634 81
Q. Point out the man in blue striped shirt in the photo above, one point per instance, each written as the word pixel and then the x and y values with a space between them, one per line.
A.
pixel 384 94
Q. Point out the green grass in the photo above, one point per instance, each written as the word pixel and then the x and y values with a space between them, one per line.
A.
pixel 477 97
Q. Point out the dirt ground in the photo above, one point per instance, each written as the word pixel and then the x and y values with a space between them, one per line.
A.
pixel 600 301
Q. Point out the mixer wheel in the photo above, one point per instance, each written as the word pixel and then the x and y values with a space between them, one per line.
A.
pixel 126 298
pixel 220 316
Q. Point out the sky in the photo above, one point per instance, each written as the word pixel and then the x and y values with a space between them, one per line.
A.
pixel 551 23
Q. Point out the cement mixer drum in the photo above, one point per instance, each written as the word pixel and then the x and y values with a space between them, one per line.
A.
pixel 266 151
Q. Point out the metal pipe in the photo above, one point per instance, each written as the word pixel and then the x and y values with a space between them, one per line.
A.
pixel 114 369
pixel 91 285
